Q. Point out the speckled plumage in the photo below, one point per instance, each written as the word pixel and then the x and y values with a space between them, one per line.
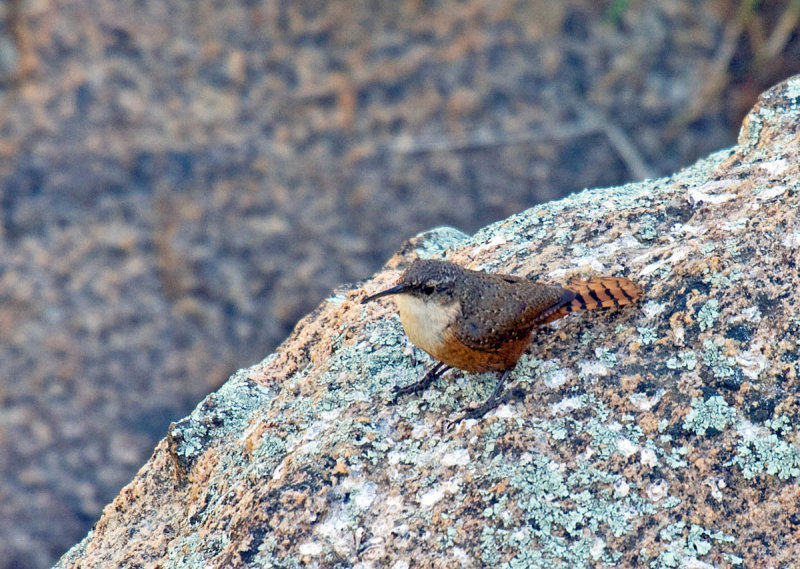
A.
pixel 480 321
pixel 496 313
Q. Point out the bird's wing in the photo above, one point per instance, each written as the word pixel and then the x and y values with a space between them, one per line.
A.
pixel 500 310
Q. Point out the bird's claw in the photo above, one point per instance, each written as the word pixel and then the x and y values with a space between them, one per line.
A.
pixel 490 404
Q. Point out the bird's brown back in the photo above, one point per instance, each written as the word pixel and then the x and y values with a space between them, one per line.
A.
pixel 496 309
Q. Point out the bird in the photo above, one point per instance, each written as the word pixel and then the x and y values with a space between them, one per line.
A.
pixel 480 322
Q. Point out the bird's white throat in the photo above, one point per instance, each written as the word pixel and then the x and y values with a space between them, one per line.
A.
pixel 425 321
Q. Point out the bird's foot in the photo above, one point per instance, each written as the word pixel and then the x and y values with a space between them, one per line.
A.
pixel 493 402
pixel 422 384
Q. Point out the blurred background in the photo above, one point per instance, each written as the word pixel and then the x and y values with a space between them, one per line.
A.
pixel 182 180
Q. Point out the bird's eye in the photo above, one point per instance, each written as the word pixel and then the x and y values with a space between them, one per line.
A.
pixel 428 288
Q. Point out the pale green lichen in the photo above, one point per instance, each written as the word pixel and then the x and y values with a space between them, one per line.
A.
pixel 736 224
pixel 685 359
pixel 647 228
pixel 663 272
pixel 192 437
pixel 588 337
pixel 683 548
pixel 733 559
pixel 195 549
pixel 228 410
pixel 581 505
pixel 674 458
pixel 563 236
pixel 708 248
pixel 606 356
pixel 647 336
pixel 712 413
pixel 670 502
pixel 267 556
pixel 708 314
pixel 533 370
pixel 750 132
pixel 579 250
pixel 720 364
pixel 268 454
pixel 780 424
pixel 767 454
pixel 792 87
pixel 721 280
pixel 490 555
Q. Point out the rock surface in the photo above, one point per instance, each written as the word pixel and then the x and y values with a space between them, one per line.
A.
pixel 655 436
pixel 180 182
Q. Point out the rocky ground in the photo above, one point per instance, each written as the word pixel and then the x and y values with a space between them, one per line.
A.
pixel 181 181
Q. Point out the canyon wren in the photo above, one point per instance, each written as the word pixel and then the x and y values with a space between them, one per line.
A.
pixel 480 322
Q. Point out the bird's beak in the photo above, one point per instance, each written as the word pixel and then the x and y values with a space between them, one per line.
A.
pixel 397 289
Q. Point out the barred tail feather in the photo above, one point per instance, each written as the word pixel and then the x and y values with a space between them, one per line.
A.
pixel 599 292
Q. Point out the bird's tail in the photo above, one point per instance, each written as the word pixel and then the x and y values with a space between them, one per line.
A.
pixel 598 292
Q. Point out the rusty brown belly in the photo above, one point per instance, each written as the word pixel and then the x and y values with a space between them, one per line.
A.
pixel 456 354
